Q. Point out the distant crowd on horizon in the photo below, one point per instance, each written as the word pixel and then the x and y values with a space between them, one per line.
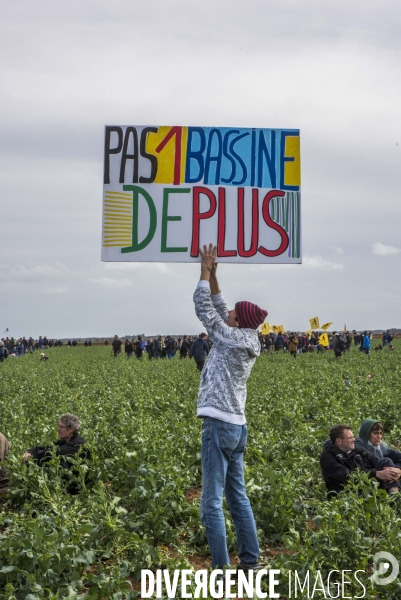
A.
pixel 168 346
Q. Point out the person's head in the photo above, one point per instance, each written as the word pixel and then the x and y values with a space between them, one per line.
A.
pixel 68 426
pixel 202 335
pixel 376 434
pixel 342 437
pixel 232 320
pixel 246 315
pixel 371 431
pixel 116 337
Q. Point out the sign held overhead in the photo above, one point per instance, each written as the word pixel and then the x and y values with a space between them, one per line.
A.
pixel 169 190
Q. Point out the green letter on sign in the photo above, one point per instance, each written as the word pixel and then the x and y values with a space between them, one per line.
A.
pixel 166 218
pixel 136 246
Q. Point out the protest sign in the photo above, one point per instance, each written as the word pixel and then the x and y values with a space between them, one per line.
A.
pixel 265 328
pixel 314 323
pixel 169 190
pixel 324 339
pixel 326 326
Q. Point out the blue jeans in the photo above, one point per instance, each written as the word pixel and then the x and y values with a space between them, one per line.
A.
pixel 223 446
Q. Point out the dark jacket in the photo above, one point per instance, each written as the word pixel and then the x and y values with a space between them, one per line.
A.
pixel 337 465
pixel 169 344
pixel 3 353
pixel 338 344
pixel 380 451
pixel 199 349
pixel 157 347
pixel 279 342
pixel 42 454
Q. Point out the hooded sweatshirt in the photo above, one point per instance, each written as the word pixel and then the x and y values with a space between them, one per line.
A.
pixel 222 389
pixel 379 450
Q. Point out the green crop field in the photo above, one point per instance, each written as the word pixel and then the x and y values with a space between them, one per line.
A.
pixel 141 508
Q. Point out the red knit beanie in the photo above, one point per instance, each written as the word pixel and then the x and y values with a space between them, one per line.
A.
pixel 249 315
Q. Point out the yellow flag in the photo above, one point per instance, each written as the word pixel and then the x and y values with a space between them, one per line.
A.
pixel 265 328
pixel 345 328
pixel 314 323
pixel 324 339
pixel 281 329
pixel 326 326
pixel 309 333
pixel 276 328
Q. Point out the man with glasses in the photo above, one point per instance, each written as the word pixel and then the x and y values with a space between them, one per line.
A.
pixel 340 458
pixel 68 444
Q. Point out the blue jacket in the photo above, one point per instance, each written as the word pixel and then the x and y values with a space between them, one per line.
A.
pixel 366 342
pixel 199 349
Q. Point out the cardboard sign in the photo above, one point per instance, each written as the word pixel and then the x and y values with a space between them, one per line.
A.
pixel 170 190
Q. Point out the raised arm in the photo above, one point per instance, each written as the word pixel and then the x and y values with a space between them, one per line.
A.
pixel 214 286
pixel 207 265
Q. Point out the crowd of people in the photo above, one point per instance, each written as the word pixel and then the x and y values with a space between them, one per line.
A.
pixel 165 347
pixel 15 348
pixel 198 347
pixel 338 342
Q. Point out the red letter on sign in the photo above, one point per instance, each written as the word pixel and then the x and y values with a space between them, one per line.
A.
pixel 241 225
pixel 197 216
pixel 221 230
pixel 266 215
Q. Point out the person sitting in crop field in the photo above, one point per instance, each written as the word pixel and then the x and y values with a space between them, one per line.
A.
pixel 4 450
pixel 221 405
pixel 340 458
pixel 370 437
pixel 68 444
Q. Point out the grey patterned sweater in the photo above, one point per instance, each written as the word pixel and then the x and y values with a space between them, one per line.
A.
pixel 222 389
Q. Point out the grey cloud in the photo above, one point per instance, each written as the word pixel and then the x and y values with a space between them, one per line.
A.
pixel 33 275
pixel 384 250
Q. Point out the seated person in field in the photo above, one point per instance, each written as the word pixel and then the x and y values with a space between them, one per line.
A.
pixel 43 356
pixel 340 458
pixel 68 444
pixel 4 450
pixel 370 437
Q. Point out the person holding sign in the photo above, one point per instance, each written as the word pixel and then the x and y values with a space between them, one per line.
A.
pixel 221 405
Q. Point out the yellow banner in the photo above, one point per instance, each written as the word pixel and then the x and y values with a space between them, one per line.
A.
pixel 309 333
pixel 345 328
pixel 324 339
pixel 326 326
pixel 276 328
pixel 265 328
pixel 281 329
pixel 314 323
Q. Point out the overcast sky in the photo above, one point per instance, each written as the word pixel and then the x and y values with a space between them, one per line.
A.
pixel 67 68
